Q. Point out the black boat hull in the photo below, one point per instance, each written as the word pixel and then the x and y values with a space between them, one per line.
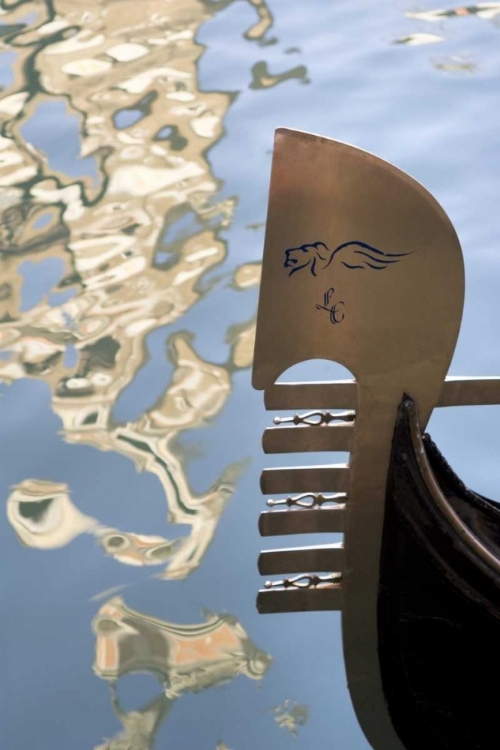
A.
pixel 439 600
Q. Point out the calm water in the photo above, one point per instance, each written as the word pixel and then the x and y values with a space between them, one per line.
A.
pixel 134 165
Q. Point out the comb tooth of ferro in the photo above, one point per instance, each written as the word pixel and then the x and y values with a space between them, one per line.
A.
pixel 470 391
pixel 326 557
pixel 343 393
pixel 333 478
pixel 336 437
pixel 303 521
pixel 326 596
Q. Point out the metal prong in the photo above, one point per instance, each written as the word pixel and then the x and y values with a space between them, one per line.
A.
pixel 328 557
pixel 305 479
pixel 337 437
pixel 470 391
pixel 300 600
pixel 317 521
pixel 344 393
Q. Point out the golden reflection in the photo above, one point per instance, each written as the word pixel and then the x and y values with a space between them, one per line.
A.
pixel 258 30
pixel 139 726
pixel 197 392
pixel 487 11
pixel 263 24
pixel 104 174
pixel 455 64
pixel 242 340
pixel 248 275
pixel 135 238
pixel 290 716
pixel 183 658
pixel 43 515
pixel 262 78
pixel 417 39
pixel 241 336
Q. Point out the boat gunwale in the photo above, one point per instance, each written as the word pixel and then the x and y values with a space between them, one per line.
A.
pixel 471 541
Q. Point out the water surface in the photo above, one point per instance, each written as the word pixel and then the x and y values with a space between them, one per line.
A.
pixel 134 164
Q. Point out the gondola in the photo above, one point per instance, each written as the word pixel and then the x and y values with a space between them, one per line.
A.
pixel 362 267
pixel 439 598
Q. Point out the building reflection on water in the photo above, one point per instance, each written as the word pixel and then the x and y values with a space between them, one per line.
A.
pixel 132 219
pixel 183 658
pixel 44 516
pixel 135 238
pixel 488 11
pixel 290 716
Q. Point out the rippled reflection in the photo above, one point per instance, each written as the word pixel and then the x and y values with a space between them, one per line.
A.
pixel 290 716
pixel 482 10
pixel 133 237
pixel 459 63
pixel 110 222
pixel 455 64
pixel 44 517
pixel 183 658
pixel 419 38
pixel 262 78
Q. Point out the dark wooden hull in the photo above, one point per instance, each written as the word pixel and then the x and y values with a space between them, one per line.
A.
pixel 439 600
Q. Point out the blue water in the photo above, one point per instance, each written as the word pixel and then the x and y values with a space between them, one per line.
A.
pixel 55 132
pixel 401 102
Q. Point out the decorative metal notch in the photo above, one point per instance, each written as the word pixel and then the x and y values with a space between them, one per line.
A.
pixel 308 500
pixel 305 581
pixel 317 418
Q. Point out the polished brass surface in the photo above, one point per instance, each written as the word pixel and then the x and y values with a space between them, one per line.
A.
pixel 456 391
pixel 313 559
pixel 324 192
pixel 362 267
pixel 344 394
pixel 271 601
pixel 470 392
pixel 323 520
pixel 337 437
pixel 305 479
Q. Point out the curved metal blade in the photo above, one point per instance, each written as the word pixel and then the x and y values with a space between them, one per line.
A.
pixel 362 267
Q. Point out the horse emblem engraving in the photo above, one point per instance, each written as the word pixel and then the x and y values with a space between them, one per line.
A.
pixel 317 257
pixel 354 255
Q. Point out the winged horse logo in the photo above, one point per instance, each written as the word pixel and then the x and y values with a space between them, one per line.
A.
pixel 354 255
